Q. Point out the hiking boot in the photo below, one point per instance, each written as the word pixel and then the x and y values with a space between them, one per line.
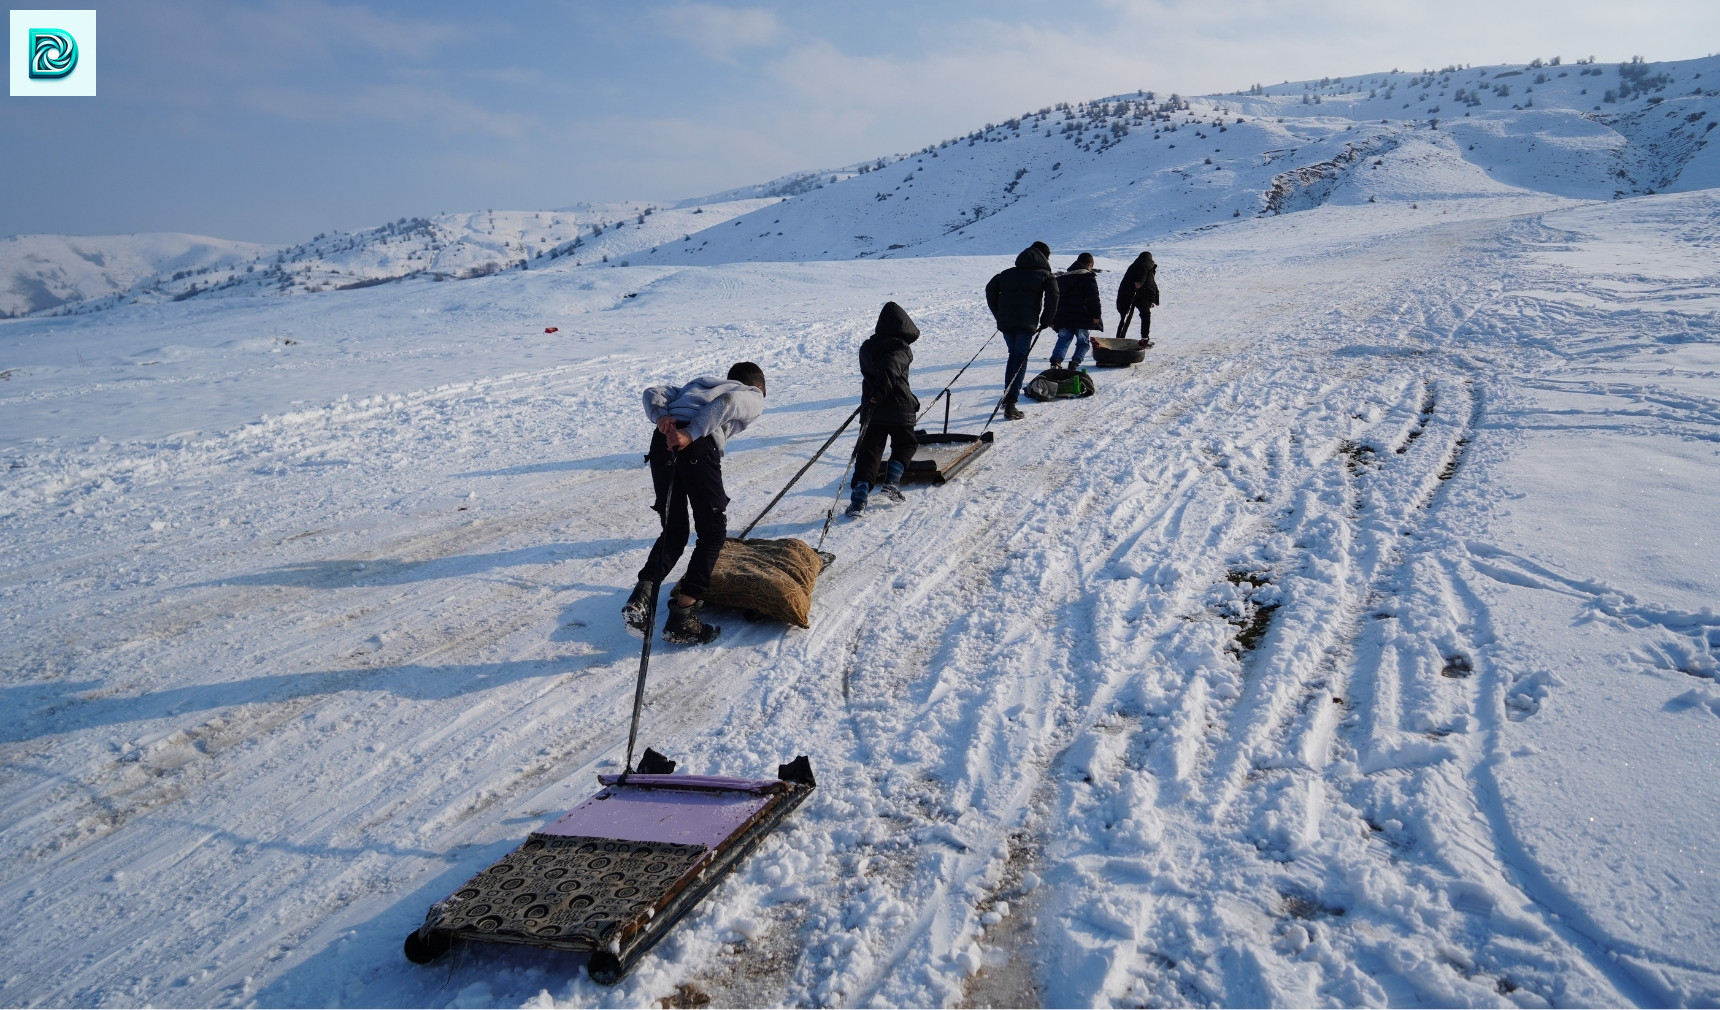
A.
pixel 684 626
pixel 1056 363
pixel 637 610
pixel 857 500
pixel 892 478
pixel 1011 412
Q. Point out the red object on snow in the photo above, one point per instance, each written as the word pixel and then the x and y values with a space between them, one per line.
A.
pixel 551 329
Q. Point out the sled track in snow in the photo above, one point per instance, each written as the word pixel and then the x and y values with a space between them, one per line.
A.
pixel 1107 654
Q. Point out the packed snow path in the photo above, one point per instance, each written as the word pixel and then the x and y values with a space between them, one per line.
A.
pixel 1357 648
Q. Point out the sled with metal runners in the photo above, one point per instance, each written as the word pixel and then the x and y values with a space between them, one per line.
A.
pixel 613 875
pixel 941 456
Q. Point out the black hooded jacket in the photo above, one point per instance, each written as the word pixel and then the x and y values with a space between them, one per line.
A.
pixel 1024 297
pixel 886 398
pixel 1078 305
pixel 1140 288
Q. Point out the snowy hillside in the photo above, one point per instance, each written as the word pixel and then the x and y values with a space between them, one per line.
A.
pixel 1360 647
pixel 1123 169
pixel 1131 168
pixel 41 272
pixel 446 247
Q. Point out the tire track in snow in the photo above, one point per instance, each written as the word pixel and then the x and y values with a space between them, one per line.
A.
pixel 1196 699
pixel 963 644
pixel 1077 620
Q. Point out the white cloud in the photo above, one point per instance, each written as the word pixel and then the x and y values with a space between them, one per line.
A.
pixel 1207 47
pixel 721 32
pixel 222 39
pixel 407 104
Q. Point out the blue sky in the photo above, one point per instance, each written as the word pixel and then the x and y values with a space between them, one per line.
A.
pixel 274 121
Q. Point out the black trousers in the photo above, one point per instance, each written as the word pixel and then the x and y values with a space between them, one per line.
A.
pixel 1145 314
pixel 697 473
pixel 871 450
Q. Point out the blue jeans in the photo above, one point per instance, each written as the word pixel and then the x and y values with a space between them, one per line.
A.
pixel 1020 342
pixel 1063 339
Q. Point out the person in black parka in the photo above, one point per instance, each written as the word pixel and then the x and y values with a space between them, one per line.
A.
pixel 1023 299
pixel 888 406
pixel 1078 310
pixel 1139 291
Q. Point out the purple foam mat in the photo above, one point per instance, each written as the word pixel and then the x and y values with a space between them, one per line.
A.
pixel 696 782
pixel 645 812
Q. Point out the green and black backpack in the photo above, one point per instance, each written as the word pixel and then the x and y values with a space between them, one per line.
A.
pixel 1060 384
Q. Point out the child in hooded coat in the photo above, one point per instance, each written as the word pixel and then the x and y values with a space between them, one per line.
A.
pixel 1138 291
pixel 888 406
pixel 1078 310
pixel 1023 300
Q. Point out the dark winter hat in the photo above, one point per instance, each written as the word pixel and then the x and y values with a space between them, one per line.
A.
pixel 894 321
pixel 1082 262
pixel 1044 250
pixel 749 373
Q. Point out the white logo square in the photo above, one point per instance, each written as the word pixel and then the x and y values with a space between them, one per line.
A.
pixel 53 53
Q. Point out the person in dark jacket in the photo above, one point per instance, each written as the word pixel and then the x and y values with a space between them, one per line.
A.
pixel 888 406
pixel 1023 299
pixel 1140 292
pixel 1078 310
pixel 692 424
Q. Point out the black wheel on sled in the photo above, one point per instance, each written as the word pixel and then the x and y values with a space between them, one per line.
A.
pixel 604 968
pixel 422 949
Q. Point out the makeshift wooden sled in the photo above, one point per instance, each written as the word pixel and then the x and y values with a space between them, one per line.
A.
pixel 1110 352
pixel 613 875
pixel 768 579
pixel 941 456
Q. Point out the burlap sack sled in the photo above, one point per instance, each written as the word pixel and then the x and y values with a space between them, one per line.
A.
pixel 767 579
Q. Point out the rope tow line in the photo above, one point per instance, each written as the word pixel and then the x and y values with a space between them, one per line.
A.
pixel 945 394
pixel 1022 371
pixel 830 513
pixel 650 626
pixel 801 473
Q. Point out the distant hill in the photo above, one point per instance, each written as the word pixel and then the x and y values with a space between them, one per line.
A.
pixel 40 272
pixel 1123 169
pixel 61 274
pixel 1107 173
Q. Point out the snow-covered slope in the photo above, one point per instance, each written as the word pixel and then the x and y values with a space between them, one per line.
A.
pixel 1132 168
pixel 40 272
pixel 47 276
pixel 1359 647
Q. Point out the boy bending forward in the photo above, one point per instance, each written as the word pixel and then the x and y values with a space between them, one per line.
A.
pixel 694 422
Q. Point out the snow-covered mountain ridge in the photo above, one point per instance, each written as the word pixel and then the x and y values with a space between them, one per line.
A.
pixel 43 272
pixel 1130 168
pixel 1122 169
pixel 440 248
